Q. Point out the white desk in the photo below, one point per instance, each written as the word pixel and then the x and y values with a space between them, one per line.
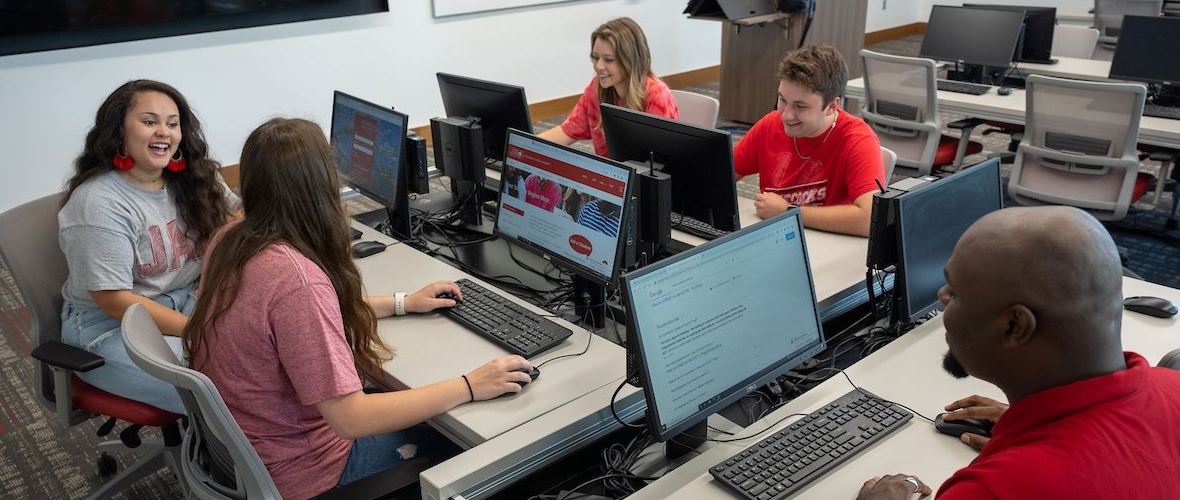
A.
pixel 564 408
pixel 909 371
pixel 1069 67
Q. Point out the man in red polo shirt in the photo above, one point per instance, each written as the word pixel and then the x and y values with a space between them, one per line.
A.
pixel 1034 306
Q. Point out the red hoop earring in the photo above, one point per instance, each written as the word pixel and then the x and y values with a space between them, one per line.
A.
pixel 122 162
pixel 177 163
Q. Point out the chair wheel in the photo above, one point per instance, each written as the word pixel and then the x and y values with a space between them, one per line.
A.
pixel 107 466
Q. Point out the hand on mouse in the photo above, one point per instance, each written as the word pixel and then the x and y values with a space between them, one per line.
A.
pixel 975 406
pixel 499 376
pixel 899 486
pixel 427 299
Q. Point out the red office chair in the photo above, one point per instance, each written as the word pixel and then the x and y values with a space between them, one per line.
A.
pixel 29 247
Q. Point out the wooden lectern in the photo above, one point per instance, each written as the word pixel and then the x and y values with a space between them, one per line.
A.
pixel 750 54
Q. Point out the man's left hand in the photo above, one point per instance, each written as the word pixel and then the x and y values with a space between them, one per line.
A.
pixel 897 486
pixel 769 205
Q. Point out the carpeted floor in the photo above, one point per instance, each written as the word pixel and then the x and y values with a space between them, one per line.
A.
pixel 39 459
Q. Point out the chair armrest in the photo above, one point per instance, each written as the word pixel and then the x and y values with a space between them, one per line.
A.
pixel 381 484
pixel 1163 156
pixel 67 357
pixel 966 123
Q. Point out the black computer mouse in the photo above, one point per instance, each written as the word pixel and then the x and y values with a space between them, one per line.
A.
pixel 1151 306
pixel 362 249
pixel 957 428
pixel 533 374
pixel 1004 91
pixel 354 233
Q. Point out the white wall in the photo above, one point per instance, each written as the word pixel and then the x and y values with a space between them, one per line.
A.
pixel 884 14
pixel 237 79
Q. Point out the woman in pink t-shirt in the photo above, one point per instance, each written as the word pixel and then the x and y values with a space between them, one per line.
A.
pixel 623 76
pixel 283 330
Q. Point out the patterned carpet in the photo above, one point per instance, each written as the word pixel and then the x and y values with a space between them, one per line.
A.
pixel 39 459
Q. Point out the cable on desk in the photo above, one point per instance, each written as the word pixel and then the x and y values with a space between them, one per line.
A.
pixel 612 403
pixel 575 489
pixel 883 400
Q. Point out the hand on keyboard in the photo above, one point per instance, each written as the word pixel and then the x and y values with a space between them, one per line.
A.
pixel 899 486
pixel 436 295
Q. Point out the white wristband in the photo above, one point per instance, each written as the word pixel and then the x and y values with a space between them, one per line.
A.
pixel 399 304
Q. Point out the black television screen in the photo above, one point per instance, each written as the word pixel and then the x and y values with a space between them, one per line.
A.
pixel 34 26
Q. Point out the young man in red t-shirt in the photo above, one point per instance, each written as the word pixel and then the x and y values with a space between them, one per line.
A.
pixel 811 153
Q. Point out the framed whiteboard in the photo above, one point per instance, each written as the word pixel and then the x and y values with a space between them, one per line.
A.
pixel 444 8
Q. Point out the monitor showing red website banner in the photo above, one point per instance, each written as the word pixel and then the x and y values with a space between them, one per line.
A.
pixel 565 204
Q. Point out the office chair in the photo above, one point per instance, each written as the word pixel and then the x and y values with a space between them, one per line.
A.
pixel 1074 41
pixel 889 160
pixel 1108 16
pixel 28 245
pixel 217 458
pixel 1172 8
pixel 1079 146
pixel 1171 360
pixel 696 109
pixel 901 105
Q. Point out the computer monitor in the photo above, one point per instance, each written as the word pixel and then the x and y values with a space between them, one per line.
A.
pixel 922 223
pixel 367 142
pixel 699 161
pixel 567 205
pixel 1144 54
pixel 1036 40
pixel 496 106
pixel 979 38
pixel 712 324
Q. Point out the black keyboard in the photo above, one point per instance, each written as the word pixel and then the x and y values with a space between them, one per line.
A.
pixel 504 322
pixel 696 227
pixel 963 87
pixel 786 461
pixel 1170 112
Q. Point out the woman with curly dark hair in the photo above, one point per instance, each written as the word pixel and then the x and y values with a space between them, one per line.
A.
pixel 142 204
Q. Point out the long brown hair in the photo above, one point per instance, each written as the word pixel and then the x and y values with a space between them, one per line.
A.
pixel 199 196
pixel 630 44
pixel 291 195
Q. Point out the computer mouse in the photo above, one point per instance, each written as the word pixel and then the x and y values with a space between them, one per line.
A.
pixel 956 428
pixel 1004 91
pixel 533 374
pixel 362 249
pixel 1151 306
pixel 354 233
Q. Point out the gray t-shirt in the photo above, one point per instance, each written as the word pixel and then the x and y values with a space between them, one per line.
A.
pixel 117 236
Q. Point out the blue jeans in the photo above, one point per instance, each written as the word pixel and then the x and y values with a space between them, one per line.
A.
pixel 374 454
pixel 87 327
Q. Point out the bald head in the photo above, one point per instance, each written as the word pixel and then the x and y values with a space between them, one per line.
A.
pixel 1058 260
pixel 1038 292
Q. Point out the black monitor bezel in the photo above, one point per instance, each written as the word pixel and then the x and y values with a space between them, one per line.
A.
pixel 905 203
pixel 1036 20
pixel 577 268
pixel 495 135
pixel 711 196
pixel 761 377
pixel 400 203
pixel 1136 36
pixel 1006 60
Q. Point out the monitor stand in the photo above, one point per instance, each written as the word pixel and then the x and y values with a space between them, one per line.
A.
pixel 689 440
pixel 976 73
pixel 590 302
pixel 393 223
pixel 1167 95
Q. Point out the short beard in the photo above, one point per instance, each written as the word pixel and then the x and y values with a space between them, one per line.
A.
pixel 952 366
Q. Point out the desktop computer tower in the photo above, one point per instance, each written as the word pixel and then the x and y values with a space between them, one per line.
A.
pixel 417 179
pixel 882 251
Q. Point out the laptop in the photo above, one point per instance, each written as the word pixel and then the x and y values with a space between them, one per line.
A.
pixel 736 11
